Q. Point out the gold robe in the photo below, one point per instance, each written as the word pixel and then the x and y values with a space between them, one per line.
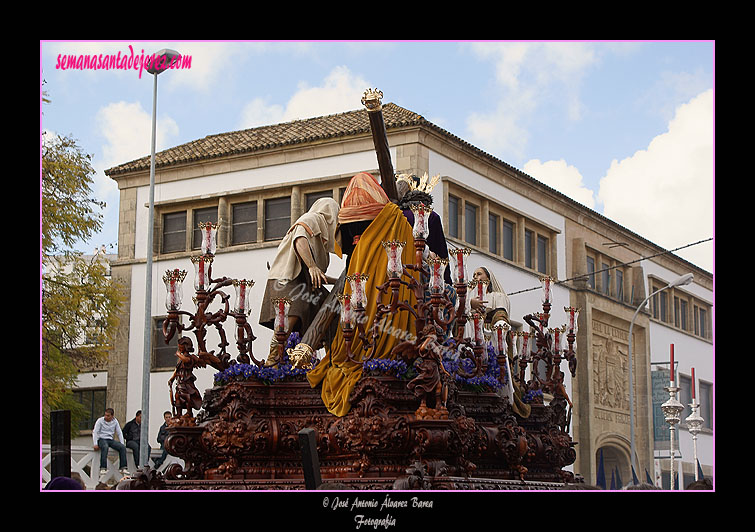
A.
pixel 337 374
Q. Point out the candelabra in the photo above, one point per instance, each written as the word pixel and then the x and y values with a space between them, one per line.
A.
pixel 671 411
pixel 207 290
pixel 544 343
pixel 434 312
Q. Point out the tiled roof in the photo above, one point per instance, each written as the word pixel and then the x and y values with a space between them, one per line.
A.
pixel 266 137
pixel 319 128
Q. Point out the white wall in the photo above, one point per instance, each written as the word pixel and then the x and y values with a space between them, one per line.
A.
pixel 272 176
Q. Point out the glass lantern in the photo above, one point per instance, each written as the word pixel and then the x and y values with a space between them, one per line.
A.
pixel 281 306
pixel 458 259
pixel 547 283
pixel 437 267
pixel 202 271
pixel 395 266
pixel 209 233
pixel 358 294
pixel 173 280
pixel 242 303
pixel 421 221
pixel 573 314
pixel 500 330
pixel 347 314
pixel 478 320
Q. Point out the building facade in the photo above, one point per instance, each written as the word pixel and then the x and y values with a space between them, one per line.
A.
pixel 255 183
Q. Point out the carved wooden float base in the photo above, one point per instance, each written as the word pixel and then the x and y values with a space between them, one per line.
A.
pixel 246 437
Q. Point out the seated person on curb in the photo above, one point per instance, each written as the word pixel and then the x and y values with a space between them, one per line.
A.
pixel 161 435
pixel 105 428
pixel 133 433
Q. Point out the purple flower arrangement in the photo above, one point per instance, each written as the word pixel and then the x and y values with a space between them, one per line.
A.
pixel 533 396
pixel 381 366
pixel 385 366
pixel 487 382
pixel 268 375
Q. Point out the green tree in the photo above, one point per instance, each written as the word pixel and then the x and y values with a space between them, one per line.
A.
pixel 79 300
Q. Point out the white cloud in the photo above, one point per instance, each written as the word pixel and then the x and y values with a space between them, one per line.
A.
pixel 563 177
pixel 665 192
pixel 339 92
pixel 526 75
pixel 127 131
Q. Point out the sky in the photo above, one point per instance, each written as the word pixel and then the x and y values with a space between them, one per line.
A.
pixel 624 127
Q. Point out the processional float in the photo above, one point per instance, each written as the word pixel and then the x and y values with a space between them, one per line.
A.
pixel 436 414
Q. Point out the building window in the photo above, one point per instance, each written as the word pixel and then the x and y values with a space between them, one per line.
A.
pixel 493 233
pixel 542 254
pixel 470 223
pixel 705 393
pixel 94 401
pixel 663 312
pixel 453 216
pixel 677 318
pixel 244 223
pixel 314 196
pixel 508 240
pixel 591 272
pixel 174 232
pixel 528 249
pixel 163 354
pixel 703 323
pixel 620 285
pixel 277 217
pixel 685 395
pixel 605 279
pixel 199 216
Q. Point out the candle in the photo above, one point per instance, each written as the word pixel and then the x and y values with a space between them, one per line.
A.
pixel 358 294
pixel 394 249
pixel 173 280
pixel 693 385
pixel 478 322
pixel 672 365
pixel 525 340
pixel 515 340
pixel 556 340
pixel 421 217
pixel 500 329
pixel 202 271
pixel 481 289
pixel 281 306
pixel 573 314
pixel 209 232
pixel 346 312
pixel 242 304
pixel 458 262
pixel 546 282
pixel 437 266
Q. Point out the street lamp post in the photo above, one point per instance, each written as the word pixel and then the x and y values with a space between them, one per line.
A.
pixel 680 281
pixel 159 64
pixel 694 423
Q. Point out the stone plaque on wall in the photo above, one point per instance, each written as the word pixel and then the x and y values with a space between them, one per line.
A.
pixel 610 373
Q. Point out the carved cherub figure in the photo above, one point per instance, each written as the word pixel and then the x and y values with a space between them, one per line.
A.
pixel 429 383
pixel 186 396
